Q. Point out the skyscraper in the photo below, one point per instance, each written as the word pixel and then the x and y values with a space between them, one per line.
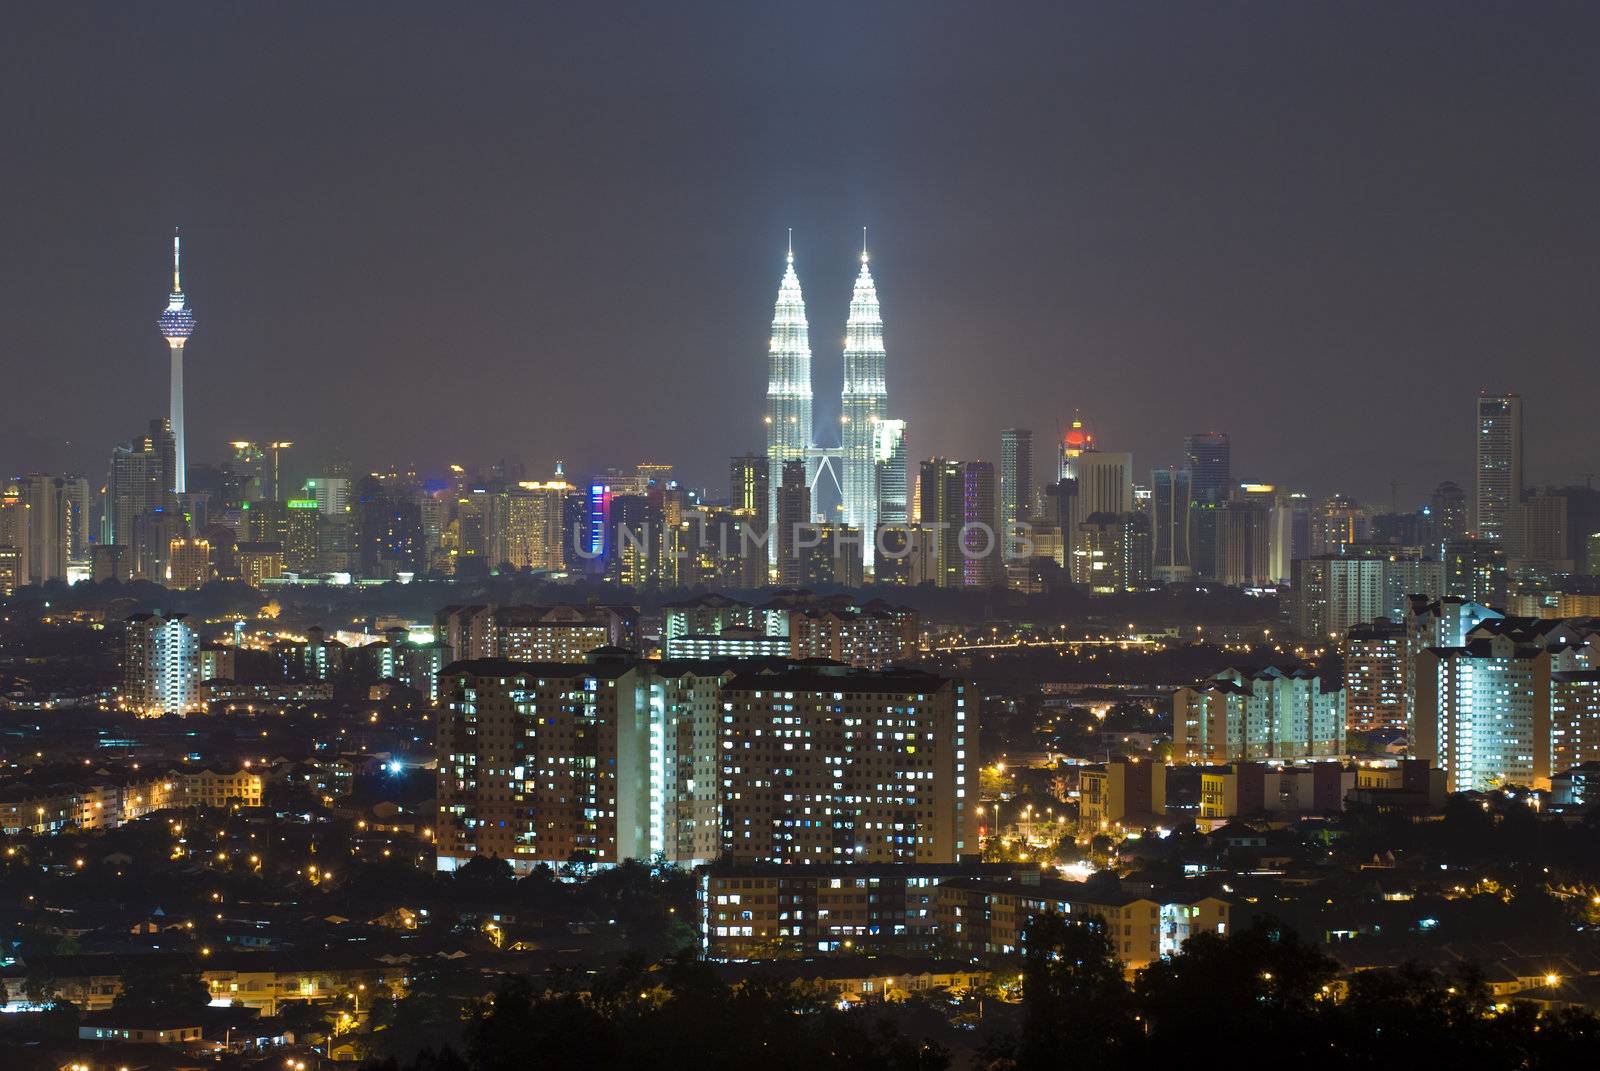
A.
pixel 1210 457
pixel 176 324
pixel 981 560
pixel 1499 463
pixel 1016 480
pixel 1170 496
pixel 891 472
pixel 788 384
pixel 794 512
pixel 862 406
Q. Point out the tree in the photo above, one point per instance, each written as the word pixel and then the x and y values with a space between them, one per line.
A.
pixel 165 987
pixel 1076 1006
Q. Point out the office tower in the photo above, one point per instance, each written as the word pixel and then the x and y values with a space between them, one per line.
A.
pixel 862 406
pixel 1376 665
pixel 1534 534
pixel 188 563
pixel 941 507
pixel 982 563
pixel 1475 569
pixel 1291 533
pixel 788 385
pixel 389 534
pixel 1105 482
pixel 830 554
pixel 1340 522
pixel 257 562
pixel 653 474
pixel 160 665
pixel 301 536
pixel 1016 482
pixel 890 472
pixel 533 525
pixel 1244 542
pixel 1136 552
pixel 176 324
pixel 1447 512
pixel 139 482
pixel 793 513
pixel 1171 492
pixel 1098 553
pixel 1249 714
pixel 1499 463
pixel 890 781
pixel 332 494
pixel 748 479
pixel 1074 443
pixel 47 519
pixel 1210 458
pixel 637 524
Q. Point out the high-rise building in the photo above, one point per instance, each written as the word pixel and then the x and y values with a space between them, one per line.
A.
pixel 892 473
pixel 47 519
pixel 1171 492
pixel 11 577
pixel 941 507
pixel 1499 463
pixel 1534 534
pixel 140 482
pixel 1244 542
pixel 1105 482
pixel 1210 459
pixel 533 525
pixel 1016 481
pixel 890 779
pixel 188 563
pixel 1447 512
pixel 160 665
pixel 176 324
pixel 1376 666
pixel 789 429
pixel 1483 712
pixel 1253 714
pixel 863 406
pixel 543 763
pixel 1075 441
pixel 982 552
pixel 748 484
pixel 301 536
pixel 1331 593
pixel 792 517
pixel 1475 569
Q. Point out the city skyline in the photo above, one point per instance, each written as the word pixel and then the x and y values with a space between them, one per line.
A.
pixel 1154 310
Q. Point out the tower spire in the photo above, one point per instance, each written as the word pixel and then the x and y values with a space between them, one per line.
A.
pixel 791 245
pixel 863 245
pixel 176 324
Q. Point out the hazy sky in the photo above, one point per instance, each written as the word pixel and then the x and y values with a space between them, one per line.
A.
pixel 461 232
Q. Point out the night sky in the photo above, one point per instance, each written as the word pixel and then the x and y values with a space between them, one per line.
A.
pixel 460 233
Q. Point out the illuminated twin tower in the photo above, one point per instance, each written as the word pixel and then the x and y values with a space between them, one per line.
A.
pixel 869 443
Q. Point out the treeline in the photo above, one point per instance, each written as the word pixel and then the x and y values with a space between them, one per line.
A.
pixel 1259 996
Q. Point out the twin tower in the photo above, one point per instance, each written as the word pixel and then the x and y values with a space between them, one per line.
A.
pixel 865 435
